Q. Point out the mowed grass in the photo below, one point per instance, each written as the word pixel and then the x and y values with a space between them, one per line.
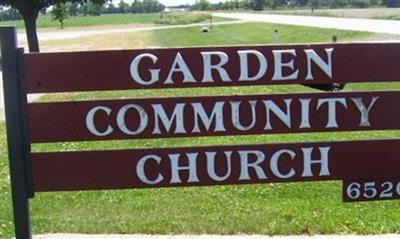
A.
pixel 170 18
pixel 232 34
pixel 366 13
pixel 303 208
pixel 105 19
pixel 251 33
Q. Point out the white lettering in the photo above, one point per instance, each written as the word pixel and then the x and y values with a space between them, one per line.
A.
pixel 279 65
pixel 121 119
pixel 235 112
pixel 283 116
pixel 211 166
pixel 325 66
pixel 180 65
pixel 274 164
pixel 208 67
pixel 134 70
pixel 90 121
pixel 324 161
pixel 244 65
pixel 245 165
pixel 175 168
pixel 364 111
pixel 216 116
pixel 177 116
pixel 332 123
pixel 141 172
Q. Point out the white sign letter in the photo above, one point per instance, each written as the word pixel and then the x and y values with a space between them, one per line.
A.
pixel 134 70
pixel 211 166
pixel 235 105
pixel 284 117
pixel 324 161
pixel 175 168
pixel 332 123
pixel 90 121
pixel 279 65
pixel 180 65
pixel 177 116
pixel 121 119
pixel 275 161
pixel 244 65
pixel 245 164
pixel 208 67
pixel 364 111
pixel 325 66
pixel 141 172
pixel 217 115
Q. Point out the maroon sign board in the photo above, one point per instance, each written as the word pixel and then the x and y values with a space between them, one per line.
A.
pixel 368 169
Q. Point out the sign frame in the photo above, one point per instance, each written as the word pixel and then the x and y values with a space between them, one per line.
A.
pixel 17 130
pixel 22 170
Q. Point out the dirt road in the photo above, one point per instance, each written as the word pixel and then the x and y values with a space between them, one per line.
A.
pixel 56 34
pixel 369 25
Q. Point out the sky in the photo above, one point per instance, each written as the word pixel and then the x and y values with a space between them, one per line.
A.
pixel 172 2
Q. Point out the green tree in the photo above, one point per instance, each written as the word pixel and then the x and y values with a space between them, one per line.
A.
pixel 73 9
pixel 123 7
pixel 92 9
pixel 360 3
pixel 202 5
pixel 60 13
pixel 258 5
pixel 314 4
pixel 245 4
pixel 278 3
pixel 112 9
pixel 29 10
pixel 391 3
pixel 9 15
pixel 136 7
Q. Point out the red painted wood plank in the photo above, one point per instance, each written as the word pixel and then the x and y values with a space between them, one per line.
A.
pixel 212 116
pixel 268 164
pixel 110 70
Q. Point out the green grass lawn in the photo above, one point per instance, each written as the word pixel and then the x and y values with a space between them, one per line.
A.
pixel 105 19
pixel 250 33
pixel 366 13
pixel 303 208
pixel 172 18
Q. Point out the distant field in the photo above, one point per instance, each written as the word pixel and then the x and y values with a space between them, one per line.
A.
pixel 370 13
pixel 118 19
pixel 269 209
pixel 105 19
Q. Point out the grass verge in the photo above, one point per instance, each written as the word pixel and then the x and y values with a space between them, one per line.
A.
pixel 366 13
pixel 233 34
pixel 306 208
pixel 81 21
pixel 251 33
pixel 170 18
pixel 180 18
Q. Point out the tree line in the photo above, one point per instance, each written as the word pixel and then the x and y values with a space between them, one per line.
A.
pixel 92 9
pixel 273 4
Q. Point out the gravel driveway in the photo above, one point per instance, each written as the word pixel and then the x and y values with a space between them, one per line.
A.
pixel 369 25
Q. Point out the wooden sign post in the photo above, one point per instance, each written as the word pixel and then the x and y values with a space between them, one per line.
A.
pixel 17 131
pixel 368 169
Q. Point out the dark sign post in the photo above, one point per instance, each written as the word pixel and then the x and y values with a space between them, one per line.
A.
pixel 17 134
pixel 368 169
